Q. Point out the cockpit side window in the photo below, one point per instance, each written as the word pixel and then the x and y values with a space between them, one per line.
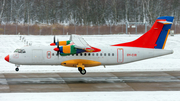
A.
pixel 23 51
pixel 19 51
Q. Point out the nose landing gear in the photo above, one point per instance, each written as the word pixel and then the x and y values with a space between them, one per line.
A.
pixel 17 68
pixel 81 68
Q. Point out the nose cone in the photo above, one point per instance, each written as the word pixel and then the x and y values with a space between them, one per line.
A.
pixel 7 58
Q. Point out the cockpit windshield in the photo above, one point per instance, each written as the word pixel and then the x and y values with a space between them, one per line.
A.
pixel 19 51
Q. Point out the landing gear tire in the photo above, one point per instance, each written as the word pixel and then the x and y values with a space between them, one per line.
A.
pixel 83 72
pixel 80 69
pixel 17 69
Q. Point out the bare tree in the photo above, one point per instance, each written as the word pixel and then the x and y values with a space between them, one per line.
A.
pixel 83 12
pixel 2 10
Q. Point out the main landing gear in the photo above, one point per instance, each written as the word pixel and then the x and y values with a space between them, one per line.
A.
pixel 82 71
pixel 17 68
pixel 81 68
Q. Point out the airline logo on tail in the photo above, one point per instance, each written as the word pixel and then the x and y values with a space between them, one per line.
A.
pixel 156 37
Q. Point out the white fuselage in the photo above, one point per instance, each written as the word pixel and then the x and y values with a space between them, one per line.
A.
pixel 109 55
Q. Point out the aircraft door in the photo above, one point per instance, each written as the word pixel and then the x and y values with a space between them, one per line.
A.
pixel 120 55
pixel 48 54
pixel 37 56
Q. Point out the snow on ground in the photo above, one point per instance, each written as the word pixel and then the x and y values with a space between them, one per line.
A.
pixel 93 96
pixel 164 63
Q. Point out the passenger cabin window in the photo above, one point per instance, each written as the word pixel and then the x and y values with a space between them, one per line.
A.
pixel 112 54
pixel 19 51
pixel 81 54
pixel 104 54
pixel 76 54
pixel 108 54
pixel 89 54
pixel 52 54
pixel 96 54
pixel 100 54
pixel 84 54
pixel 92 54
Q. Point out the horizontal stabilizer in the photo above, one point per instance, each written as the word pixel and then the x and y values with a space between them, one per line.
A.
pixel 165 22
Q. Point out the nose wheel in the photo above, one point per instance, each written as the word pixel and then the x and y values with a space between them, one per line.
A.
pixel 83 72
pixel 17 68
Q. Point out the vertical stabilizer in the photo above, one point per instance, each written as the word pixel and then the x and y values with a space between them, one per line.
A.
pixel 155 38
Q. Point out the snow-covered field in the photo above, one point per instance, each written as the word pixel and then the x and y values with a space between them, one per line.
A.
pixel 93 96
pixel 8 43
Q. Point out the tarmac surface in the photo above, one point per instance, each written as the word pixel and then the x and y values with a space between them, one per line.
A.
pixel 92 81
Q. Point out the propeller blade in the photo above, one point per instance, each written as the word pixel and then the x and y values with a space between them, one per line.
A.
pixel 58 47
pixel 57 43
pixel 54 40
pixel 57 53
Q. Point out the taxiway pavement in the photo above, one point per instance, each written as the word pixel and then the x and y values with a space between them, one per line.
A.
pixel 92 81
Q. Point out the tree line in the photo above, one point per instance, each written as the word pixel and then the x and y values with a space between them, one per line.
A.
pixel 86 12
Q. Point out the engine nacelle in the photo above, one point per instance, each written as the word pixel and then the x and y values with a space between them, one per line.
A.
pixel 69 49
pixel 62 43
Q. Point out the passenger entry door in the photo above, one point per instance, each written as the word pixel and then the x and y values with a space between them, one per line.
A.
pixel 120 55
pixel 37 56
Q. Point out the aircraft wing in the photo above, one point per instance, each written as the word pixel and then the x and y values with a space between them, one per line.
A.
pixel 80 43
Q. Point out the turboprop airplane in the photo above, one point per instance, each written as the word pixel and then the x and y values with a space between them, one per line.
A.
pixel 77 53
